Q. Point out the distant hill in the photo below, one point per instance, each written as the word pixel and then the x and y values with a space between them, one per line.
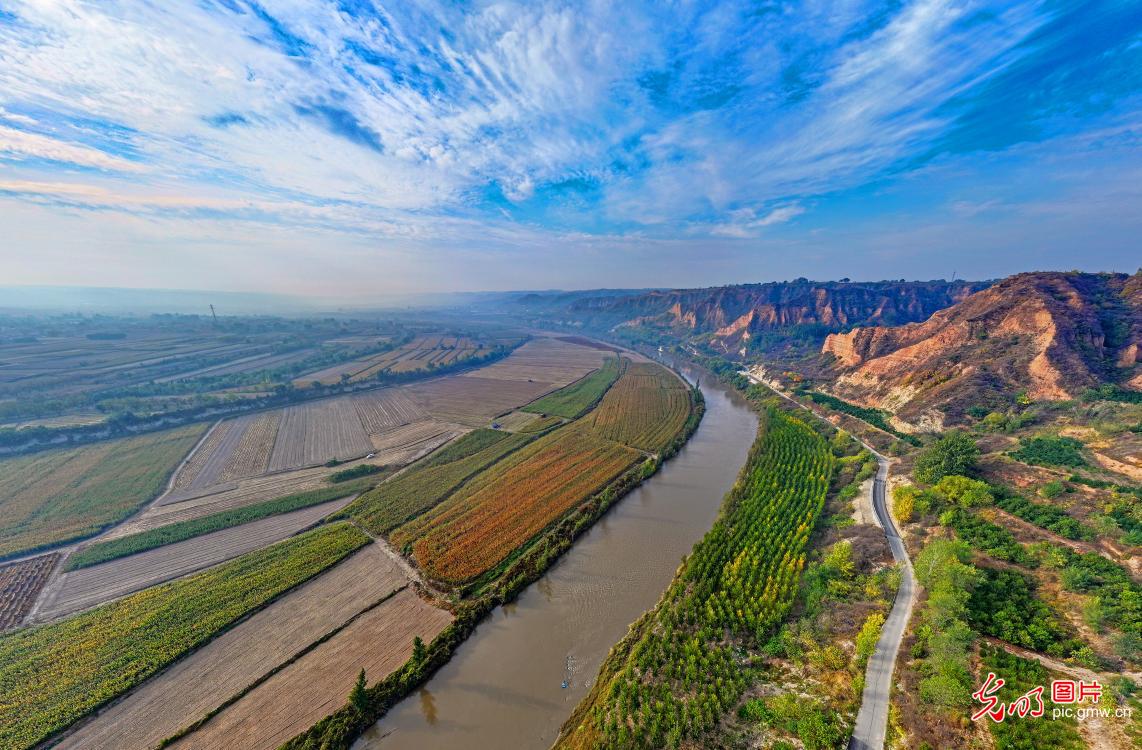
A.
pixel 755 318
pixel 1048 335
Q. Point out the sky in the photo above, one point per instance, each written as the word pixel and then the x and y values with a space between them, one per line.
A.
pixel 357 148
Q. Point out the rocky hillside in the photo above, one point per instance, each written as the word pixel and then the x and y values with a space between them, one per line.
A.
pixel 732 318
pixel 1046 335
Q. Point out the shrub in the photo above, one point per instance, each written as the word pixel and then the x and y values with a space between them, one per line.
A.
pixel 1049 450
pixel 954 453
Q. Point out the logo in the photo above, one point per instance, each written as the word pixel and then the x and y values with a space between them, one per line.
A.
pixel 1064 693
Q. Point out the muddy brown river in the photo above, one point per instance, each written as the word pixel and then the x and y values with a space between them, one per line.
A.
pixel 503 687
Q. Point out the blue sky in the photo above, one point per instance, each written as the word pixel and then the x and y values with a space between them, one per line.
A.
pixel 361 148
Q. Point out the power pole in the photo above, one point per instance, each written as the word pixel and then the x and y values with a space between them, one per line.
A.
pixel 214 315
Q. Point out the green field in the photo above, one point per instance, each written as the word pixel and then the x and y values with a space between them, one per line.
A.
pixel 177 532
pixel 427 483
pixel 52 675
pixel 62 495
pixel 581 395
pixel 684 664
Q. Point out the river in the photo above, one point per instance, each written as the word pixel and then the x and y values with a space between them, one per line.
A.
pixel 503 688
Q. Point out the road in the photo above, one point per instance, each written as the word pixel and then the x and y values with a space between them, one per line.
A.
pixel 872 718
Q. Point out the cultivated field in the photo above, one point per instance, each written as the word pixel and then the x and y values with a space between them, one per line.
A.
pixel 476 528
pixel 397 446
pixel 474 400
pixel 193 687
pixel 20 584
pixel 546 360
pixel 424 485
pixel 112 548
pixel 175 508
pixel 50 676
pixel 383 409
pixel 61 495
pixel 518 421
pixel 379 641
pixel 422 353
pixel 315 432
pixel 646 408
pixel 573 400
pixel 87 587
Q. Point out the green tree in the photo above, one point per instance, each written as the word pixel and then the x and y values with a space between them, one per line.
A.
pixel 419 652
pixel 358 697
pixel 954 453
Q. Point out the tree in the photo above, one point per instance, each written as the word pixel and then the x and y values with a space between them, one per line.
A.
pixel 358 697
pixel 419 652
pixel 954 453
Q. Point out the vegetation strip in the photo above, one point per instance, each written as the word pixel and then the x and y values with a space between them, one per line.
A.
pixel 50 676
pixel 876 417
pixel 576 399
pixel 679 669
pixel 176 532
pixel 431 481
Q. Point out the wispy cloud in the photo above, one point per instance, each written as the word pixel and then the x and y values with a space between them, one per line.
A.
pixel 533 122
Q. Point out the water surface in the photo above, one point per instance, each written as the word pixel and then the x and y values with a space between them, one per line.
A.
pixel 503 686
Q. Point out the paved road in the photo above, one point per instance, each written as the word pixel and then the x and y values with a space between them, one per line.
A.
pixel 872 719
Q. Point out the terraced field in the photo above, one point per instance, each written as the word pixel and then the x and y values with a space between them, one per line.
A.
pixel 61 495
pixel 397 446
pixel 379 641
pixel 87 587
pixel 20 584
pixel 191 688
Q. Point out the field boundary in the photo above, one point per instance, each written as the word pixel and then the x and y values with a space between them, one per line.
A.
pixel 199 723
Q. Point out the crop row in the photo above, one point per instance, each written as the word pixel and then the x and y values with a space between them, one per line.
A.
pixel 61 495
pixel 427 483
pixel 50 676
pixel 646 408
pixel 572 400
pixel 680 671
pixel 477 528
pixel 20 584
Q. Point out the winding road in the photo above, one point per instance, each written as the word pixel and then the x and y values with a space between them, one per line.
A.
pixel 872 718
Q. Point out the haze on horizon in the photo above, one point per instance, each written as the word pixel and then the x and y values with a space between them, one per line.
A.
pixel 358 147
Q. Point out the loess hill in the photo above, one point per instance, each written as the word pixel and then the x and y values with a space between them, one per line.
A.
pixel 1048 335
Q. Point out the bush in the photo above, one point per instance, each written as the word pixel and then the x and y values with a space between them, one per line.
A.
pixel 904 501
pixel 954 453
pixel 358 471
pixel 964 492
pixel 1050 450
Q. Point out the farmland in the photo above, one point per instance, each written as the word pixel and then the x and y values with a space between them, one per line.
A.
pixel 581 395
pixel 234 448
pixel 198 684
pixel 20 584
pixel 386 408
pixel 89 586
pixel 422 353
pixel 315 432
pixel 474 400
pixel 379 641
pixel 645 409
pixel 675 674
pixel 505 506
pixel 52 675
pixel 426 484
pixel 122 546
pixel 59 496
